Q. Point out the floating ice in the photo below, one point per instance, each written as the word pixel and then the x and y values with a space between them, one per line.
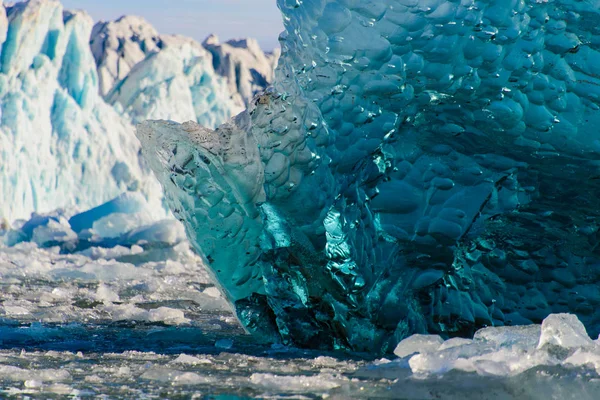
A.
pixel 418 344
pixel 564 330
pixel 415 169
pixel 509 351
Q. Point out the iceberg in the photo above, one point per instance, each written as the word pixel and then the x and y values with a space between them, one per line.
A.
pixel 61 145
pixel 415 168
pixel 124 222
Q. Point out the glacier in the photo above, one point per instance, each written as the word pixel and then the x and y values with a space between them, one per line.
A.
pixel 416 167
pixel 71 92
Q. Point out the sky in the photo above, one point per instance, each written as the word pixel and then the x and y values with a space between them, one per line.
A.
pixel 229 19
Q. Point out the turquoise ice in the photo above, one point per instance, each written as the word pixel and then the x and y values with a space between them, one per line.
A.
pixel 418 167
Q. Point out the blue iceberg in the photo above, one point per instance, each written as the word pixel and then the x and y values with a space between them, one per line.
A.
pixel 417 167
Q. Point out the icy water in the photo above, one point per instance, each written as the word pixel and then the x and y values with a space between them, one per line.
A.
pixel 111 324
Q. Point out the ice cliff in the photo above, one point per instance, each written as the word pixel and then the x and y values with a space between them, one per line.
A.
pixel 417 167
pixel 70 92
pixel 61 145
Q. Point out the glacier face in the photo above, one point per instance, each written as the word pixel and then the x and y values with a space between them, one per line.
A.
pixel 70 92
pixel 247 68
pixel 61 144
pixel 417 167
pixel 149 76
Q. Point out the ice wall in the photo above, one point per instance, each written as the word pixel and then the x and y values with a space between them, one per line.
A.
pixel 422 167
pixel 61 145
pixel 70 92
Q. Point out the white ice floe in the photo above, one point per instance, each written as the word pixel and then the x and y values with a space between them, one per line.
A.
pixel 506 351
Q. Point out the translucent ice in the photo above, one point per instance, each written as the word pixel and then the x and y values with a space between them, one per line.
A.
pixel 416 168
pixel 564 330
pixel 418 344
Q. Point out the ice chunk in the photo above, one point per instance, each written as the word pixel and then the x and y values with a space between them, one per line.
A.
pixel 187 359
pixel 176 378
pixel 527 336
pixel 405 174
pixel 454 342
pixel 564 330
pixel 106 294
pixel 295 384
pixel 418 344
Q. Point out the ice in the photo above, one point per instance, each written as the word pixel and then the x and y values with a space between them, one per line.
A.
pixel 106 295
pixel 187 359
pixel 564 330
pixel 128 270
pixel 415 168
pixel 70 92
pixel 527 335
pixel 418 344
pixel 247 68
pixel 127 203
pixel 49 86
pixel 387 185
pixel 292 384
pixel 34 377
pixel 510 351
pixel 129 312
pixel 176 378
pixel 259 372
pixel 122 228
